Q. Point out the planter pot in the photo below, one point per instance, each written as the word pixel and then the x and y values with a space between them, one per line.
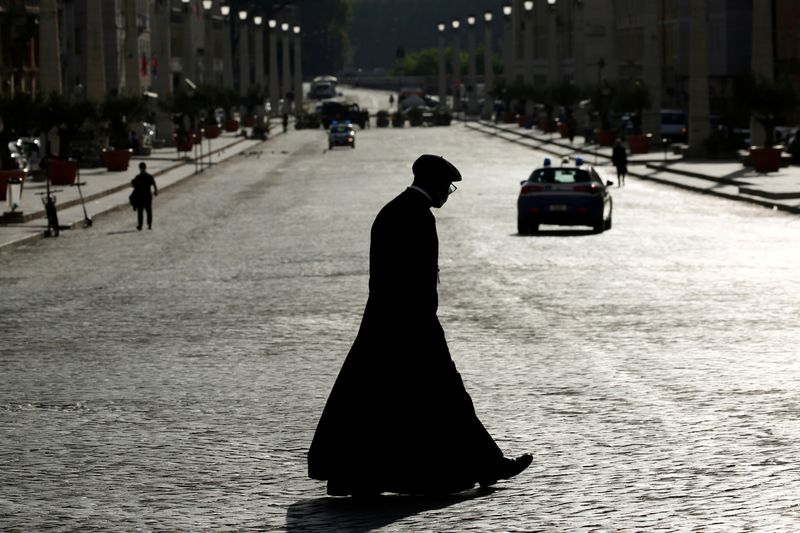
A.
pixel 249 121
pixel 116 160
pixel 62 171
pixel 547 126
pixel 231 125
pixel 4 175
pixel 382 122
pixel 508 117
pixel 563 130
pixel 212 132
pixel 197 136
pixel 184 143
pixel 639 144
pixel 765 159
pixel 398 122
pixel 605 137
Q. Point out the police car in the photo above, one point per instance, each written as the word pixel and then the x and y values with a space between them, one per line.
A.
pixel 341 134
pixel 567 195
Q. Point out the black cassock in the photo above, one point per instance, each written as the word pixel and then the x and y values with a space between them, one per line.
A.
pixel 398 418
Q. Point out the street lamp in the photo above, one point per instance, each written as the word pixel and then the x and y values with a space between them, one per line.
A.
pixel 552 44
pixel 441 26
pixel 274 90
pixel 244 59
pixel 528 4
pixel 528 42
pixel 287 74
pixel 507 10
pixel 225 10
pixel 258 44
pixel 208 45
pixel 188 53
pixel 488 70
pixel 456 67
pixel 472 75
pixel 298 72
pixel 508 43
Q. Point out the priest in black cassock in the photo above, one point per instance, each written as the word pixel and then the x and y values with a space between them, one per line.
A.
pixel 399 418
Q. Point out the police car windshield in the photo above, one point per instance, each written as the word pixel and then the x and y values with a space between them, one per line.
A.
pixel 559 175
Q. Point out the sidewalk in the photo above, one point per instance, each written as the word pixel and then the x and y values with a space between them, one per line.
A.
pixel 727 179
pixel 105 191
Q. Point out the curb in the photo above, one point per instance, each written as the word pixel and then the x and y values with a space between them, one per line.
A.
pixel 78 223
pixel 653 166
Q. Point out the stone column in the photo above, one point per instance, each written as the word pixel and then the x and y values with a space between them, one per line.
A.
pixel 298 72
pixel 472 72
pixel 456 60
pixel 763 59
pixel 488 66
pixel 286 77
pixel 95 56
pixel 49 49
pixel 653 68
pixel 698 78
pixel 161 51
pixel 133 84
pixel 274 90
pixel 442 68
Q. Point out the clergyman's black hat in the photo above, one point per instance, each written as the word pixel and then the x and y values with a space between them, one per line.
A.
pixel 435 167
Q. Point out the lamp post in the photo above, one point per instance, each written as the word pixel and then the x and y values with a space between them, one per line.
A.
pixel 287 75
pixel 133 85
pixel 456 59
pixel 208 45
pixel 298 72
pixel 698 78
pixel 258 45
pixel 274 91
pixel 488 67
pixel 95 53
pixel 244 59
pixel 442 67
pixel 227 52
pixel 552 43
pixel 527 42
pixel 187 53
pixel 49 49
pixel 508 44
pixel 651 119
pixel 472 74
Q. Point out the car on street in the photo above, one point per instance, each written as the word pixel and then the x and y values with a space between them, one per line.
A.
pixel 569 195
pixel 341 134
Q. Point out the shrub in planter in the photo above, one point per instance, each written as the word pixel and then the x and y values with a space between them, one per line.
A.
pixel 442 118
pixel 605 137
pixel 415 116
pixel 382 119
pixel 397 120
pixel 249 121
pixel 117 160
pixel 231 125
pixel 212 131
pixel 639 144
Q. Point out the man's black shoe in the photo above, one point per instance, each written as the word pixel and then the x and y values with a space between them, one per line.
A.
pixel 508 468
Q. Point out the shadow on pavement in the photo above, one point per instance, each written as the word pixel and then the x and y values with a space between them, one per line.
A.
pixel 558 233
pixel 357 515
pixel 122 232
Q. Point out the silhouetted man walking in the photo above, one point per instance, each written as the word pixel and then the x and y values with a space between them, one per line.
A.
pixel 141 197
pixel 619 158
pixel 399 418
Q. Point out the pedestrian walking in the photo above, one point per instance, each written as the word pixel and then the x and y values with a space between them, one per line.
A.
pixel 141 199
pixel 399 418
pixel 619 157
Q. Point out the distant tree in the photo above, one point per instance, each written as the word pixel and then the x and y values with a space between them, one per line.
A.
pixel 426 62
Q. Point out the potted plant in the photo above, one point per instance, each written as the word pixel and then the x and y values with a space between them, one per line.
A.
pixel 69 117
pixel 633 100
pixel 769 103
pixel 120 113
pixel 442 117
pixel 398 121
pixel 382 119
pixel 602 97
pixel 415 117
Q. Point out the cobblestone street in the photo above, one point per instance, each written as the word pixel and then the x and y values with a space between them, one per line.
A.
pixel 172 379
